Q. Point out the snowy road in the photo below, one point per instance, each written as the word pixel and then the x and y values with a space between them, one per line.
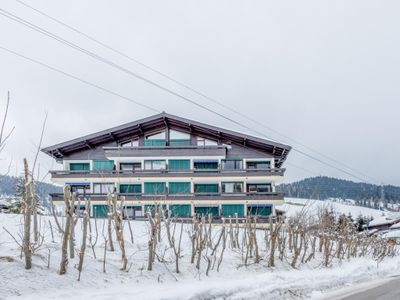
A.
pixel 382 289
pixel 387 291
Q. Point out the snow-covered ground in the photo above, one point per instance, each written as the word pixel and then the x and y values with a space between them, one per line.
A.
pixel 233 281
pixel 296 205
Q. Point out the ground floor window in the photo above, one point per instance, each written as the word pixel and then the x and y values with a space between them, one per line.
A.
pixel 263 210
pixel 206 211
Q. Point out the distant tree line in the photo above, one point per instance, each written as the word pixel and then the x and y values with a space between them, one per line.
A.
pixel 323 188
pixel 12 186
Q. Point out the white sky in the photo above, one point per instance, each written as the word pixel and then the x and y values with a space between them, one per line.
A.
pixel 325 73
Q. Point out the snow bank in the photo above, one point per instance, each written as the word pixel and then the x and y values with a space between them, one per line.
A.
pixel 234 281
pixel 295 205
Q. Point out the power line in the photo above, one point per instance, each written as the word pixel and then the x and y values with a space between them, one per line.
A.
pixel 112 64
pixel 79 79
pixel 108 91
pixel 186 86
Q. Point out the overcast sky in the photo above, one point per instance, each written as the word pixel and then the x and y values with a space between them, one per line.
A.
pixel 325 73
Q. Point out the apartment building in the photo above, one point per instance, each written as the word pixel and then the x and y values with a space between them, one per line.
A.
pixel 186 166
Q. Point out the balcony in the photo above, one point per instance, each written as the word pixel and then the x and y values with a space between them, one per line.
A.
pixel 67 174
pixel 165 151
pixel 181 197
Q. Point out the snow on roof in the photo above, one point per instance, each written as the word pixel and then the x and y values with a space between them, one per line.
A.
pixel 395 226
pixel 386 219
pixel 381 221
pixel 372 231
pixel 392 234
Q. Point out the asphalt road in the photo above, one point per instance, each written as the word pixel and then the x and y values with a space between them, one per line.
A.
pixel 387 291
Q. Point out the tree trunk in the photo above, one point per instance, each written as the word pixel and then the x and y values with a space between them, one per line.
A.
pixel 27 219
pixel 67 230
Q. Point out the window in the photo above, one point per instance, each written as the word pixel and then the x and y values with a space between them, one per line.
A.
pixel 232 164
pixel 179 188
pixel 154 188
pixel 205 142
pixel 179 164
pixel 103 165
pixel 259 188
pixel 134 143
pixel 157 139
pixel 81 189
pixel 205 164
pixel 232 187
pixel 79 166
pixel 130 167
pixel 258 164
pixel 103 188
pixel 130 188
pixel 206 188
pixel 155 165
pixel 177 138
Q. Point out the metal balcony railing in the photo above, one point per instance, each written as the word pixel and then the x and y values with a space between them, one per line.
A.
pixel 167 172
pixel 180 197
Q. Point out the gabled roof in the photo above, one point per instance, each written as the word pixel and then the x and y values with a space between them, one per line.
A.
pixel 159 121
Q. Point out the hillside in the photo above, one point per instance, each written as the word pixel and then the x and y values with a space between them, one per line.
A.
pixel 325 187
pixel 8 187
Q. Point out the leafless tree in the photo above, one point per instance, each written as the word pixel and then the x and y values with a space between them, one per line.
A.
pixel 69 200
pixel 86 220
pixel 119 229
pixel 27 205
pixel 109 218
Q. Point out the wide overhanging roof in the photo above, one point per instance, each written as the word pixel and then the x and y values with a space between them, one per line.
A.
pixel 159 121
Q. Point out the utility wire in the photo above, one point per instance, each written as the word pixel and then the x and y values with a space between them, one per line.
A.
pixel 109 91
pixel 186 86
pixel 104 60
pixel 79 79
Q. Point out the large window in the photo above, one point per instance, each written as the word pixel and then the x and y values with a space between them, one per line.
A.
pixel 133 143
pixel 206 188
pixel 259 188
pixel 232 187
pixel 258 164
pixel 205 142
pixel 130 167
pixel 179 164
pixel 157 139
pixel 154 188
pixel 103 188
pixel 177 138
pixel 130 188
pixel 205 164
pixel 179 188
pixel 79 166
pixel 103 165
pixel 154 164
pixel 232 164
